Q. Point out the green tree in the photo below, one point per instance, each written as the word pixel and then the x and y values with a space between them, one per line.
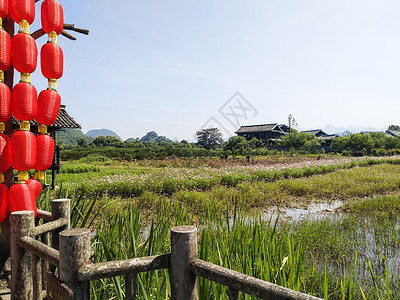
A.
pixel 361 142
pixel 394 127
pixel 292 124
pixel 209 138
pixel 392 143
pixel 237 145
pixel 300 141
pixel 340 143
pixel 379 139
pixel 82 143
pixel 107 141
pixel 255 143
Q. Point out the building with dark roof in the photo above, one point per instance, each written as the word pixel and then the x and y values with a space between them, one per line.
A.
pixel 267 133
pixel 316 132
pixel 393 133
pixel 322 135
pixel 64 120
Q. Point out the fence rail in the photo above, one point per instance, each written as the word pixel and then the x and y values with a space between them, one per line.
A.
pixel 50 226
pixel 240 282
pixel 123 267
pixel 30 258
pixel 45 215
pixel 41 250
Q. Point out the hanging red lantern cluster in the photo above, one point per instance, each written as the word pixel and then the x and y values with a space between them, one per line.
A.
pixel 23 144
pixel 24 151
pixel 51 62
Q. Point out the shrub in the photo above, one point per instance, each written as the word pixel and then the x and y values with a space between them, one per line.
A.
pixel 358 153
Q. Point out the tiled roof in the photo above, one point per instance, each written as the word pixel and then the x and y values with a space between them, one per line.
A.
pixel 328 137
pixel 314 131
pixel 394 133
pixel 64 120
pixel 258 128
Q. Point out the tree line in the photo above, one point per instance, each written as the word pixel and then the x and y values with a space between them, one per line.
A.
pixel 210 144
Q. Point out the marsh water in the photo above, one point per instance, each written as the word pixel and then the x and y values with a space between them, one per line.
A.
pixel 373 238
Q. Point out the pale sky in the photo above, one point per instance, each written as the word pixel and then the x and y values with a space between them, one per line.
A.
pixel 170 66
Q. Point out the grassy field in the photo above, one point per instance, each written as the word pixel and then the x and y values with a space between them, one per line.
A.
pixel 348 254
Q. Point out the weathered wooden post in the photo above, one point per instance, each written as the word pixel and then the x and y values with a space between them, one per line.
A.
pixel 22 224
pixel 130 286
pixel 75 253
pixel 183 251
pixel 60 208
pixel 44 238
pixel 233 294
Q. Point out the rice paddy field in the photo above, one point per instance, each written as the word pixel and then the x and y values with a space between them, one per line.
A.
pixel 252 216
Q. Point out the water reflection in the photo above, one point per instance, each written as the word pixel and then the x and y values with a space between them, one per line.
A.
pixel 373 237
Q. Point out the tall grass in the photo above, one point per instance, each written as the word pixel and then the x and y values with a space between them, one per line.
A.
pixel 280 253
pixel 319 257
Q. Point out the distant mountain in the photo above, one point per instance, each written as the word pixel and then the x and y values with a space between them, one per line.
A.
pixel 94 133
pixel 72 137
pixel 331 129
pixel 153 137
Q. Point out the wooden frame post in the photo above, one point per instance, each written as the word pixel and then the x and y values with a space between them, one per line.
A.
pixel 74 254
pixel 183 251
pixel 60 208
pixel 22 224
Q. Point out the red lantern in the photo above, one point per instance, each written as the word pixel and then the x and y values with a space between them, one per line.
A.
pixel 5 155
pixel 22 9
pixel 48 105
pixel 24 53
pixel 51 59
pixel 4 209
pixel 24 101
pixel 23 149
pixel 5 102
pixel 21 197
pixel 52 16
pixel 35 186
pixel 44 152
pixel 3 9
pixel 5 50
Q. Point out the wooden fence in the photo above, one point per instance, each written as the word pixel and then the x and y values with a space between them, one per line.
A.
pixel 64 271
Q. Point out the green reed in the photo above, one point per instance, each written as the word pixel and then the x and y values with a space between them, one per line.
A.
pixel 318 257
pixel 266 249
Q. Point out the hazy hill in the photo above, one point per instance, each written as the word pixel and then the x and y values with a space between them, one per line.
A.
pixel 94 133
pixel 331 129
pixel 71 137
pixel 153 137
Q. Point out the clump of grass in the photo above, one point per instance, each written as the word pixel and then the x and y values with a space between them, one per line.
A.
pixel 389 204
pixel 80 169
